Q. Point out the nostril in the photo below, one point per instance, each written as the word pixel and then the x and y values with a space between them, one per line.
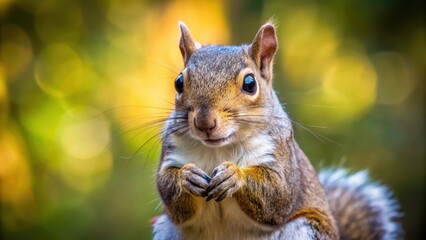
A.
pixel 205 125
pixel 213 125
pixel 198 126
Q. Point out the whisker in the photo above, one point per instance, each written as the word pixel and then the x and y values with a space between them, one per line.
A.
pixel 137 151
pixel 247 119
pixel 157 134
pixel 173 70
pixel 312 105
pixel 145 126
pixel 123 107
pixel 164 100
pixel 150 124
pixel 310 91
pixel 260 115
pixel 315 134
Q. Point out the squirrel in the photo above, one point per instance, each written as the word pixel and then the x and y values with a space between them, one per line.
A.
pixel 230 167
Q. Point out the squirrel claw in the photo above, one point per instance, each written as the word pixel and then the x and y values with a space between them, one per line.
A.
pixel 194 180
pixel 204 194
pixel 215 172
pixel 225 180
pixel 210 197
pixel 205 176
pixel 221 197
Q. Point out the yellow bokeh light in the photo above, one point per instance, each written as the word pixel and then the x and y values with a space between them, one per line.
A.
pixel 13 166
pixel 396 79
pixel 4 101
pixel 125 16
pixel 162 30
pixel 85 175
pixel 15 178
pixel 58 21
pixel 85 137
pixel 350 84
pixel 4 5
pixel 309 45
pixel 59 70
pixel 15 50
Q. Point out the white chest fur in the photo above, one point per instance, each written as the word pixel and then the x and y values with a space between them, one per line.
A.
pixel 253 151
pixel 221 220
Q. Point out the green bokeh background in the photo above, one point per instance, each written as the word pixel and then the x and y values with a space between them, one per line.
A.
pixel 83 84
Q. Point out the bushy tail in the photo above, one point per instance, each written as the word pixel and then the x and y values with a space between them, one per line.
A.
pixel 362 209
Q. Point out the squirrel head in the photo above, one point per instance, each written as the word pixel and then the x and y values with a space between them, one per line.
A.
pixel 220 87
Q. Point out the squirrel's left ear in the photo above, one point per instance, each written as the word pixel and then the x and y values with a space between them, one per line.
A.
pixel 187 44
pixel 262 49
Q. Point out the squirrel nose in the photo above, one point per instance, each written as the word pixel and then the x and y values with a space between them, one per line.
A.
pixel 205 125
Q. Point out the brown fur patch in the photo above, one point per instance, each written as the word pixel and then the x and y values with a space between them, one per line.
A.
pixel 318 219
pixel 263 196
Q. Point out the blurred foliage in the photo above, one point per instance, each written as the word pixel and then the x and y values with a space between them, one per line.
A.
pixel 84 86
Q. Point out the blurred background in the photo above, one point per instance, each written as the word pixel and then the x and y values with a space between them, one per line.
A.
pixel 84 86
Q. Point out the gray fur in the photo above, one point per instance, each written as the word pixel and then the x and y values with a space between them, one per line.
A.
pixel 362 209
pixel 164 229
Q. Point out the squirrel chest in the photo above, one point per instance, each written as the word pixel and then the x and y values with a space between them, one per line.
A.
pixel 219 220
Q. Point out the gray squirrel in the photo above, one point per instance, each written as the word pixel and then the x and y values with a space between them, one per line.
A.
pixel 231 169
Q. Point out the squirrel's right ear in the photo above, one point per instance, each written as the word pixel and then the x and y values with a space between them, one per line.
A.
pixel 187 44
pixel 262 49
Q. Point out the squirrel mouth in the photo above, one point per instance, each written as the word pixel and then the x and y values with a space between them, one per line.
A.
pixel 217 141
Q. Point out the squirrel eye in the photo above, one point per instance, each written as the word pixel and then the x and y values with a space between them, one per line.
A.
pixel 179 83
pixel 249 84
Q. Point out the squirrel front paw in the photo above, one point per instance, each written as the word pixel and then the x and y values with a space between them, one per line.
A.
pixel 226 179
pixel 194 180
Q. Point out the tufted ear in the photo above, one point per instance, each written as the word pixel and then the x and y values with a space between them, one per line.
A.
pixel 262 49
pixel 187 45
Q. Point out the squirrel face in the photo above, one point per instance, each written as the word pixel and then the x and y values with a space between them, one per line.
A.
pixel 220 85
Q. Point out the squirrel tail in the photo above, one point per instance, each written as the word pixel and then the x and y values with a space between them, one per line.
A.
pixel 363 209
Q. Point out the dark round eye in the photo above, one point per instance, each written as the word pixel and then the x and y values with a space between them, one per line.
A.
pixel 179 83
pixel 249 84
